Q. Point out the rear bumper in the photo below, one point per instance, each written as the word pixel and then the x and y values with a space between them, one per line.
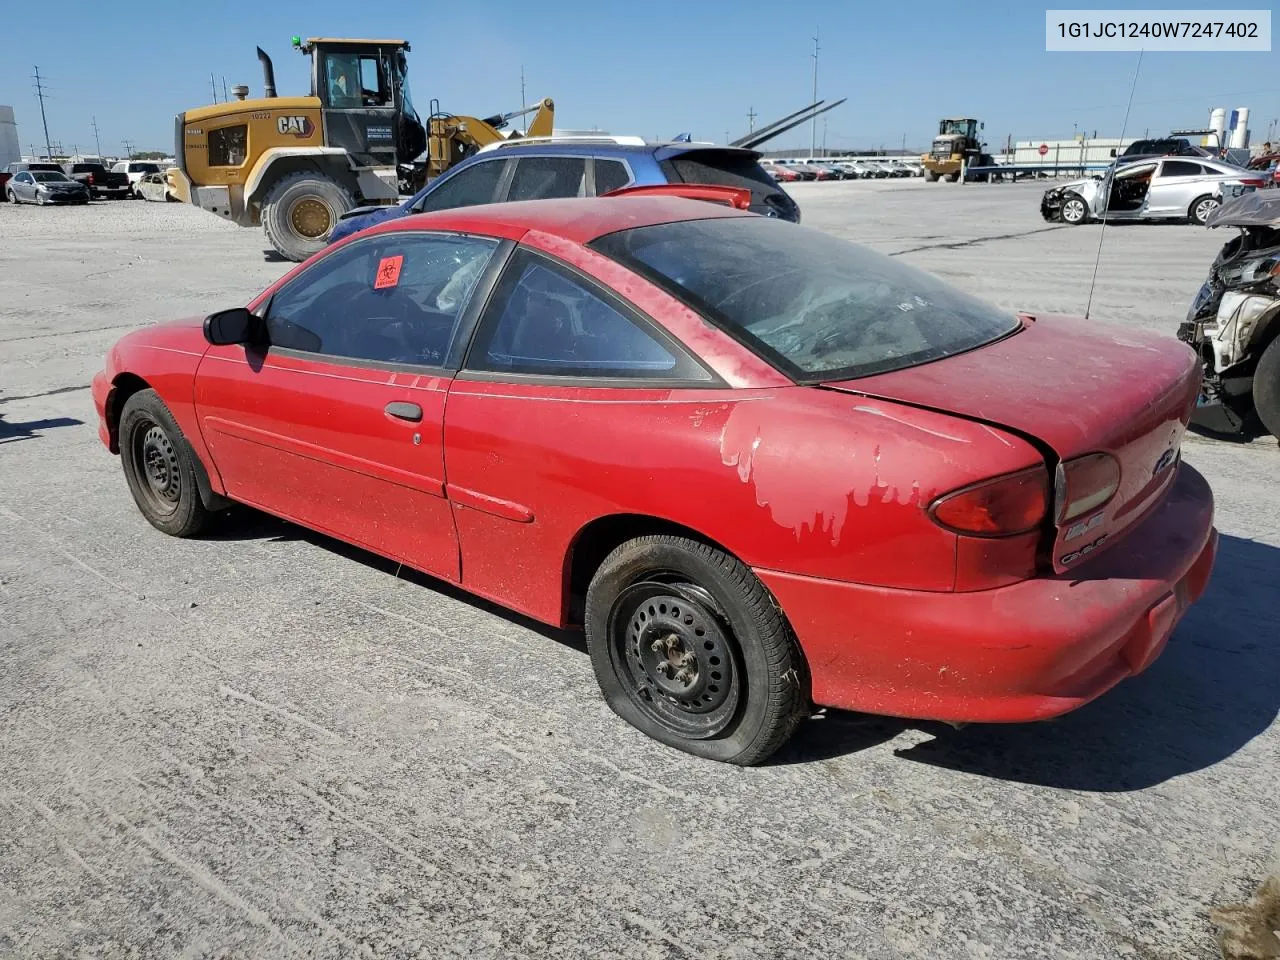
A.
pixel 1029 651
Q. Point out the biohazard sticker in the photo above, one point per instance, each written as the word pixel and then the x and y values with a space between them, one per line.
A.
pixel 388 272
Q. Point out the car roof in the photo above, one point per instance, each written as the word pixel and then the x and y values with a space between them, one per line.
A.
pixel 604 148
pixel 578 219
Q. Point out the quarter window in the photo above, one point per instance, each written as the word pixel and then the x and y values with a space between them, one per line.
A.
pixel 544 320
pixel 610 175
pixel 395 298
pixel 539 178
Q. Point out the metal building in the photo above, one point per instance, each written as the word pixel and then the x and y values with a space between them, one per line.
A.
pixel 9 149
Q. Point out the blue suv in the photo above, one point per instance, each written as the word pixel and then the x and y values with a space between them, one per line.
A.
pixel 581 167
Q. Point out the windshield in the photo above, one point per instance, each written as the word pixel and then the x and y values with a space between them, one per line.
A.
pixel 45 176
pixel 816 307
pixel 963 128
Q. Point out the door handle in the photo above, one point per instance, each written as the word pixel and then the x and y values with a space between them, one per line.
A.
pixel 404 411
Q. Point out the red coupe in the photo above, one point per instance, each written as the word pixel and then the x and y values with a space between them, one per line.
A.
pixel 763 468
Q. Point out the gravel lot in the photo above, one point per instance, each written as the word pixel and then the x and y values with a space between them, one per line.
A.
pixel 269 744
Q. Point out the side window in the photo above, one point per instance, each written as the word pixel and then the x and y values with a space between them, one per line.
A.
pixel 24 178
pixel 540 178
pixel 394 298
pixel 544 320
pixel 475 184
pixel 610 175
pixel 1181 168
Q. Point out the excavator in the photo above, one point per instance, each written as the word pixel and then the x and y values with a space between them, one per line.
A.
pixel 294 165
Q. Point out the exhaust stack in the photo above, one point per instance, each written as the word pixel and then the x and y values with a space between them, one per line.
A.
pixel 268 75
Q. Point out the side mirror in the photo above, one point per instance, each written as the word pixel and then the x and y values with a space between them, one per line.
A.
pixel 236 325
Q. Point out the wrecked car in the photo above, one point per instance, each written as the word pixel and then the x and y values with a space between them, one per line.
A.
pixel 760 467
pixel 1232 322
pixel 1170 188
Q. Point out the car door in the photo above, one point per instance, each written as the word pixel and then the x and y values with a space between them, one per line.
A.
pixel 1175 185
pixel 545 178
pixel 1125 191
pixel 484 181
pixel 570 402
pixel 336 420
pixel 23 186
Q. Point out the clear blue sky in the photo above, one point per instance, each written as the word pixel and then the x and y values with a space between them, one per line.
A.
pixel 655 68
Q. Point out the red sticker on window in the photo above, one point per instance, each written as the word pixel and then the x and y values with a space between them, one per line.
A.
pixel 388 272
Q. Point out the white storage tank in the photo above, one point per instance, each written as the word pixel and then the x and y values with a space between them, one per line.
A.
pixel 1218 124
pixel 9 149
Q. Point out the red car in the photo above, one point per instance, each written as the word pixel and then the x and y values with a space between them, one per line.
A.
pixel 763 468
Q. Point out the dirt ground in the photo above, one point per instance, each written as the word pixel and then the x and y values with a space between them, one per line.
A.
pixel 265 743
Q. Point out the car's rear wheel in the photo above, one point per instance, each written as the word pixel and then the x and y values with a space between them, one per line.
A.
pixel 1266 388
pixel 689 647
pixel 1074 210
pixel 1201 208
pixel 159 468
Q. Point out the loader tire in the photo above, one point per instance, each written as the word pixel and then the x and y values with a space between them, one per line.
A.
pixel 1266 388
pixel 931 176
pixel 300 212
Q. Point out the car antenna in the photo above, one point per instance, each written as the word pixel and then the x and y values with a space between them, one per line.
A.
pixel 1110 178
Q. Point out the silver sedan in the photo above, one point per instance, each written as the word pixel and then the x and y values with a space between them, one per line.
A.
pixel 1166 188
pixel 45 186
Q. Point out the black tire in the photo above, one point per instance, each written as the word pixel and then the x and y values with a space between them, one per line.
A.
pixel 1266 388
pixel 11 196
pixel 294 209
pixel 1078 212
pixel 931 176
pixel 159 468
pixel 1201 208
pixel 714 670
pixel 953 177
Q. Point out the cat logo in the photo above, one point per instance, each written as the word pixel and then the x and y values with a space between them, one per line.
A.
pixel 295 126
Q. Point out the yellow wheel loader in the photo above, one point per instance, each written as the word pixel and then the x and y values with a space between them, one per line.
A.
pixel 958 143
pixel 296 164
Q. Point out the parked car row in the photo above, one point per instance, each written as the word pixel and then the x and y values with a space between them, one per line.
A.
pixel 789 171
pixel 19 182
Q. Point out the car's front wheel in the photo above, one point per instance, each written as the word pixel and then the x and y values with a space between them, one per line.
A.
pixel 1074 210
pixel 689 647
pixel 11 196
pixel 1266 388
pixel 159 468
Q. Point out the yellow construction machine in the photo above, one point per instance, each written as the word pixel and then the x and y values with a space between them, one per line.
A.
pixel 959 142
pixel 296 164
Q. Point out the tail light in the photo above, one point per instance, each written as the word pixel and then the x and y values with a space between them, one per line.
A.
pixel 1085 484
pixel 1254 183
pixel 1001 507
pixel 91 179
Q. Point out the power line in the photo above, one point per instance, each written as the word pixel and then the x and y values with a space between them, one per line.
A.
pixel 40 95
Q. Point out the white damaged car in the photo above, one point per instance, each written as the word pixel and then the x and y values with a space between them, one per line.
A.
pixel 1164 188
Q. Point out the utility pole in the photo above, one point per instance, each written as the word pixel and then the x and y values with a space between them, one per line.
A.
pixel 824 136
pixel 726 137
pixel 40 95
pixel 751 119
pixel 523 102
pixel 128 146
pixel 214 87
pixel 813 127
pixel 96 139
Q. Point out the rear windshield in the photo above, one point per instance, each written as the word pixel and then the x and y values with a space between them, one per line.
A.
pixel 731 168
pixel 817 307
pixel 86 167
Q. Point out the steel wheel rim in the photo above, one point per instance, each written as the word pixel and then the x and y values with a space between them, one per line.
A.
pixel 311 218
pixel 1073 211
pixel 674 654
pixel 155 460
pixel 1204 208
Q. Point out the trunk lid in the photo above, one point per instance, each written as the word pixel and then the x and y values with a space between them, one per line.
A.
pixel 1077 388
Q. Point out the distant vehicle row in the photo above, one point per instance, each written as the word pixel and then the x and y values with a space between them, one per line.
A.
pixel 118 182
pixel 789 171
